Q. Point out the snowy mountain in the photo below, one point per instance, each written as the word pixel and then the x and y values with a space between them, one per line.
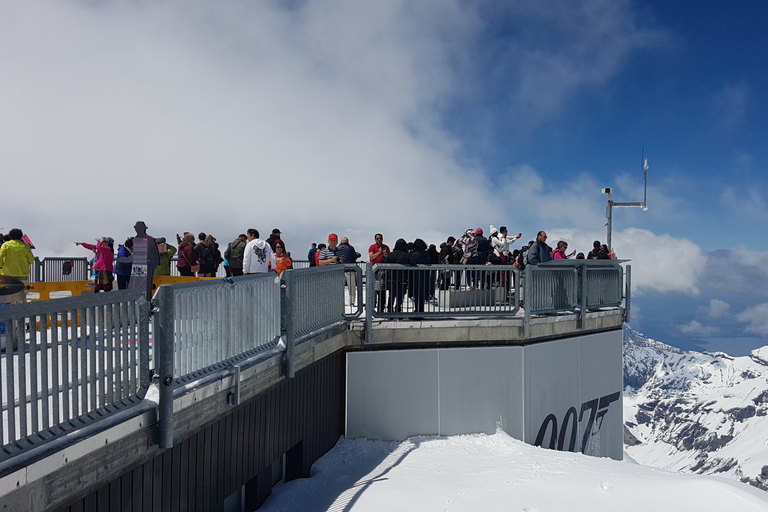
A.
pixel 696 412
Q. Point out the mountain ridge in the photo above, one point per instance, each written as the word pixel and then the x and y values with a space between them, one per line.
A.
pixel 696 412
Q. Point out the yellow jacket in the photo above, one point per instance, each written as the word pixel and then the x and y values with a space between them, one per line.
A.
pixel 15 259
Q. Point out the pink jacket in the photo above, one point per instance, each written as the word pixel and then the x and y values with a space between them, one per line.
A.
pixel 106 256
pixel 559 254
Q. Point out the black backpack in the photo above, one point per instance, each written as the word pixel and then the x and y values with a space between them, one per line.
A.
pixel 522 258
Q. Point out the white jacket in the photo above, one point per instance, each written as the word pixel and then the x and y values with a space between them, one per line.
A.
pixel 501 244
pixel 258 257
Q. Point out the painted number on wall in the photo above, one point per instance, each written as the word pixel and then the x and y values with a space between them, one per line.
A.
pixel 597 408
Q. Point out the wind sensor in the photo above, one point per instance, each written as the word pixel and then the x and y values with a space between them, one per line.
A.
pixel 612 203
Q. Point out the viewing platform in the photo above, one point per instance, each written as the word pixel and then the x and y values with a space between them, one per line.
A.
pixel 206 396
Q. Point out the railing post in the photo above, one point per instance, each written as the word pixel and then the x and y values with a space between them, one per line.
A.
pixel 288 327
pixel 628 293
pixel 164 302
pixel 582 273
pixel 527 300
pixel 370 301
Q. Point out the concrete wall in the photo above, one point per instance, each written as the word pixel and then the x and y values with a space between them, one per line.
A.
pixel 563 394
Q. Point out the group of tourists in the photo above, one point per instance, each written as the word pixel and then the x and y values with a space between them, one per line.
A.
pixel 201 256
pixel 472 248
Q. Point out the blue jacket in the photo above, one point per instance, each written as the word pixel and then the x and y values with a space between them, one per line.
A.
pixel 124 262
pixel 347 252
pixel 539 253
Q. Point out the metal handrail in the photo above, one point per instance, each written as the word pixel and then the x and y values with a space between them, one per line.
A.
pixel 70 362
pixel 203 327
pixel 434 291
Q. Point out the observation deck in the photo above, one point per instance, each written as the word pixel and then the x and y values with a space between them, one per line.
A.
pixel 206 396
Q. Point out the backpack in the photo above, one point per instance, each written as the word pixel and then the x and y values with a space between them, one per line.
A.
pixel 210 255
pixel 522 258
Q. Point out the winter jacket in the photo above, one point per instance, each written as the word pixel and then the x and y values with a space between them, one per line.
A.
pixel 539 253
pixel 347 252
pixel 234 253
pixel 164 266
pixel 124 261
pixel 187 256
pixel 446 254
pixel 105 256
pixel 15 259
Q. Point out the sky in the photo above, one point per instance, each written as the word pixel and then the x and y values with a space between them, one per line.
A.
pixel 496 472
pixel 414 119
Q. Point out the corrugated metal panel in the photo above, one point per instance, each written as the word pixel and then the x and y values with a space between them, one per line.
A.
pixel 198 473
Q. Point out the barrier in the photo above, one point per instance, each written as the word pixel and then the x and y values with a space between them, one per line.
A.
pixel 433 291
pixel 64 378
pixel 74 372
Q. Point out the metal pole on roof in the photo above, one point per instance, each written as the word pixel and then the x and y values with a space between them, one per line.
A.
pixel 612 203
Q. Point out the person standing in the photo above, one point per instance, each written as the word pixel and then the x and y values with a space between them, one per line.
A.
pixel 187 262
pixel 165 253
pixel 283 260
pixel 376 254
pixel 258 257
pixel 16 256
pixel 539 252
pixel 349 255
pixel 124 263
pixel 234 254
pixel 105 252
pixel 311 255
pixel 273 238
pixel 331 255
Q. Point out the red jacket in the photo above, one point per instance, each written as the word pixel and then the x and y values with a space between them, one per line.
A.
pixel 187 255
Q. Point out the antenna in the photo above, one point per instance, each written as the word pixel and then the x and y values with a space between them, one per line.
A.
pixel 612 204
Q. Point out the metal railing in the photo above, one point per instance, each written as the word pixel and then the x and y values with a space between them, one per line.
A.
pixel 216 322
pixel 573 285
pixel 70 362
pixel 82 358
pixel 442 290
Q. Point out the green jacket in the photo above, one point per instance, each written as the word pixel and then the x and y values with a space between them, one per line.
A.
pixel 234 253
pixel 15 259
pixel 164 267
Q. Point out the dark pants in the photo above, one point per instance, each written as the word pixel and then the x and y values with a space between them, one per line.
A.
pixel 122 282
pixel 236 271
pixel 185 271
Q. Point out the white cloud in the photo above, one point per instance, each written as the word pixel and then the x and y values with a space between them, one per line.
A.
pixel 718 309
pixel 757 318
pixel 660 263
pixel 695 328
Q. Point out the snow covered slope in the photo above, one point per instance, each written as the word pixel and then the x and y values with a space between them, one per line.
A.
pixel 496 473
pixel 696 412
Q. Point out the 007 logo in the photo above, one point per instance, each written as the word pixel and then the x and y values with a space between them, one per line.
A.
pixel 572 420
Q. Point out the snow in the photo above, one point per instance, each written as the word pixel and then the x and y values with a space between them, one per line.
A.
pixel 692 411
pixel 497 472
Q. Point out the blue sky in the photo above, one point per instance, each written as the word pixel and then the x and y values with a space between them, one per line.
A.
pixel 416 119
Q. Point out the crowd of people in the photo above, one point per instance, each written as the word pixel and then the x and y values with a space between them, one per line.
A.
pixel 472 248
pixel 248 254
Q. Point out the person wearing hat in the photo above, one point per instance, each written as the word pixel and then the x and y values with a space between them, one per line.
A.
pixel 330 255
pixel 481 258
pixel 15 256
pixel 273 238
pixel 104 265
pixel 165 252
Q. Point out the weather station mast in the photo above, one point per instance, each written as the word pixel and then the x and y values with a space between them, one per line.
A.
pixel 612 203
